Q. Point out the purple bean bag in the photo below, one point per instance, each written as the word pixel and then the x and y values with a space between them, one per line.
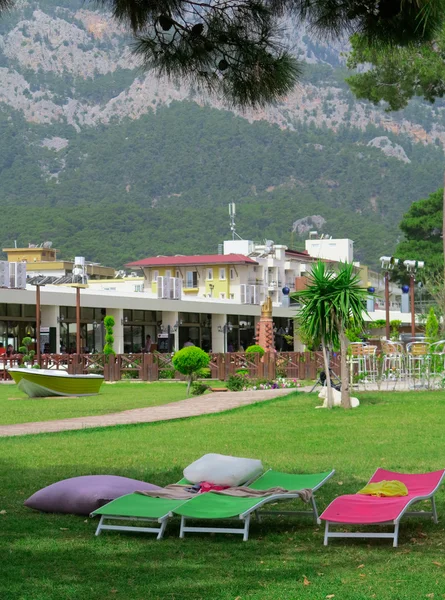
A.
pixel 83 495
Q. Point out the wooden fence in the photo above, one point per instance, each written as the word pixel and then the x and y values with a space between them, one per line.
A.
pixel 157 366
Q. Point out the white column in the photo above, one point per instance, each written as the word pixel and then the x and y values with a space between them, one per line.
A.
pixel 171 318
pixel 218 337
pixel 49 319
pixel 118 330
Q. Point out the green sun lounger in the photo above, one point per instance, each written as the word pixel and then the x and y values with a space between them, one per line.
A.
pixel 209 506
pixel 212 506
pixel 137 507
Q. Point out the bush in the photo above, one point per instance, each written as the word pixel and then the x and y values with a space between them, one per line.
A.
pixel 238 382
pixel 204 373
pixel 198 388
pixel 109 323
pixel 255 349
pixel 167 374
pixel 189 361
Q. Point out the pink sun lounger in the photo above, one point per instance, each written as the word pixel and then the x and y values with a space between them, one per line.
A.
pixel 357 509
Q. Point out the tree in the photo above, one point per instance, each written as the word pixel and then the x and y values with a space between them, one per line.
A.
pixel 232 48
pixel 399 74
pixel 189 361
pixel 422 226
pixel 331 303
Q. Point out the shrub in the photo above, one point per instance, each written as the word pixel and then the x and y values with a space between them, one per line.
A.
pixel 167 374
pixel 238 382
pixel 432 327
pixel 204 373
pixel 377 324
pixel 255 349
pixel 24 349
pixel 109 323
pixel 189 361
pixel 199 388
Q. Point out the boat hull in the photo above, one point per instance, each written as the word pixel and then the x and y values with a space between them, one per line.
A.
pixel 41 383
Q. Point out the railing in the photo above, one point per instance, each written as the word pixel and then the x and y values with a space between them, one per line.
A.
pixel 157 366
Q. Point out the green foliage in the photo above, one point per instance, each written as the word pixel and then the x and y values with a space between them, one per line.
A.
pixel 204 373
pixel 198 388
pixel 330 301
pixel 395 325
pixel 422 226
pixel 237 382
pixel 189 361
pixel 148 161
pixel 377 324
pixel 255 349
pixel 167 374
pixel 398 73
pixel 25 350
pixel 109 323
pixel 432 326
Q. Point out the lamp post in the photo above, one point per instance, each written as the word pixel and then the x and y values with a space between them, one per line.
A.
pixel 388 264
pixel 227 327
pixel 78 287
pixel 37 336
pixel 412 266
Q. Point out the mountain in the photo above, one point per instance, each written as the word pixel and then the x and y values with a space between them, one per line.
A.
pixel 113 164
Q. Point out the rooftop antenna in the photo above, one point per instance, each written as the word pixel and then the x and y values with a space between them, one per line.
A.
pixel 232 213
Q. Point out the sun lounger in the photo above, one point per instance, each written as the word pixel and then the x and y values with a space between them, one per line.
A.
pixel 136 507
pixel 210 506
pixel 357 509
pixel 213 506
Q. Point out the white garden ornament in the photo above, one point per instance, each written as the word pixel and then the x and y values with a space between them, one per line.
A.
pixel 336 397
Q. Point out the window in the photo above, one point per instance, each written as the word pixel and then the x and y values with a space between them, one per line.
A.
pixel 210 274
pixel 178 274
pixel 168 273
pixel 191 279
pixel 222 274
pixel 232 274
pixel 155 276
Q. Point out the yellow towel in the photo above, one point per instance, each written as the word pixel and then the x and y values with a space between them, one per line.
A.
pixel 385 488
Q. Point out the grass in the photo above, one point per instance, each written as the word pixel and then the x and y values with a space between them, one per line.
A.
pixel 16 407
pixel 57 557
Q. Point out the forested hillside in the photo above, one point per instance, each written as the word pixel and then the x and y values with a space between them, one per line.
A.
pixel 109 164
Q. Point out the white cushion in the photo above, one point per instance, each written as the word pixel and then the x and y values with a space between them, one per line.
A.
pixel 223 470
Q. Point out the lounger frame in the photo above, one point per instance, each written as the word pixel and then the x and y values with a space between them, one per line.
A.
pixel 102 526
pixel 394 535
pixel 246 516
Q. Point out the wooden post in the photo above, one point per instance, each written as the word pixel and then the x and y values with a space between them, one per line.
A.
pixel 38 324
pixel 78 349
pixel 413 311
pixel 388 335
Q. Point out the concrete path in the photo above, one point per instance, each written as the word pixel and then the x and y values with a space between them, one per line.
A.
pixel 192 407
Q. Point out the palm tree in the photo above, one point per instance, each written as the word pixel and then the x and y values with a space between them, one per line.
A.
pixel 332 301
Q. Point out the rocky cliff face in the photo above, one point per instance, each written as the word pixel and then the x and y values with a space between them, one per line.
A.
pixel 50 55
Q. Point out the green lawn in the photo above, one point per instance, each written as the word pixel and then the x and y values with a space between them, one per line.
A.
pixel 16 407
pixel 52 557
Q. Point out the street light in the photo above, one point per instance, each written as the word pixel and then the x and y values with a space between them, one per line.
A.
pixel 227 327
pixel 412 266
pixel 388 264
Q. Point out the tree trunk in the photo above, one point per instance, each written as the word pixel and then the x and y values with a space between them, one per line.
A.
pixel 443 233
pixel 344 371
pixel 329 398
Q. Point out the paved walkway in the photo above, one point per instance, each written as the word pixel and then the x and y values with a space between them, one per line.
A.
pixel 192 407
